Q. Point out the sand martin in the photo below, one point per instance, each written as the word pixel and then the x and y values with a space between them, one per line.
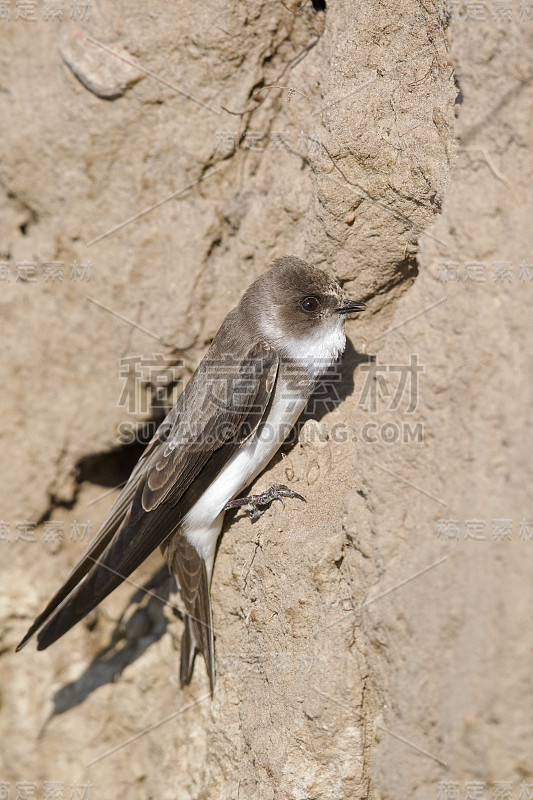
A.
pixel 235 412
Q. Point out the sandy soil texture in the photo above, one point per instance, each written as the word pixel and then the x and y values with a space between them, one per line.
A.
pixel 155 158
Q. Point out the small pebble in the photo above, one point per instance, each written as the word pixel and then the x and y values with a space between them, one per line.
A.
pixel 103 73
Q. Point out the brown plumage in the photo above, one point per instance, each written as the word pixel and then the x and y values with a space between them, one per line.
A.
pixel 235 392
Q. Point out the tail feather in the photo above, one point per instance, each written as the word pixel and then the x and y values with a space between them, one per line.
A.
pixel 188 654
pixel 191 573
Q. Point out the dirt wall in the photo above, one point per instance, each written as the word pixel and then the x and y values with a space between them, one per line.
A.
pixel 375 641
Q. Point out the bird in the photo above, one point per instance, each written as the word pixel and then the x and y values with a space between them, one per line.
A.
pixel 235 412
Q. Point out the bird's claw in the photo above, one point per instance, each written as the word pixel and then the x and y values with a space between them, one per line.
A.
pixel 251 504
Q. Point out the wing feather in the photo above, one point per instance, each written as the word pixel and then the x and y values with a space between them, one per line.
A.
pixel 201 433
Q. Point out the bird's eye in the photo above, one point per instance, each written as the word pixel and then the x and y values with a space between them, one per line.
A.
pixel 310 304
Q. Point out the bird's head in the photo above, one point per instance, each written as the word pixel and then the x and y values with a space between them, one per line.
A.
pixel 300 310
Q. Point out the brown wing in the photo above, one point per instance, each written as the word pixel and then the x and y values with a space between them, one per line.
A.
pixel 115 519
pixel 218 410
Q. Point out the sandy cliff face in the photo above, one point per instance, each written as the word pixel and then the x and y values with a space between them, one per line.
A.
pixel 381 631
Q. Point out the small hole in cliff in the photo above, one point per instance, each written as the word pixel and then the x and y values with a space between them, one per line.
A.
pixel 319 5
pixel 111 468
pixel 24 228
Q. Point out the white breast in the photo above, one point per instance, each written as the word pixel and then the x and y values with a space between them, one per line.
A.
pixel 316 352
pixel 243 467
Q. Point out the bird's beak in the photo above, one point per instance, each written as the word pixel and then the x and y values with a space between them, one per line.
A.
pixel 349 306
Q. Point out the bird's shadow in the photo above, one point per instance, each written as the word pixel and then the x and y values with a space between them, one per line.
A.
pixel 142 622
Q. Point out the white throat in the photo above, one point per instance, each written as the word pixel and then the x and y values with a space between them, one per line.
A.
pixel 319 349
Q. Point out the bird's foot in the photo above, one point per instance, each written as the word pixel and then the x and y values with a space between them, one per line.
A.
pixel 252 504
